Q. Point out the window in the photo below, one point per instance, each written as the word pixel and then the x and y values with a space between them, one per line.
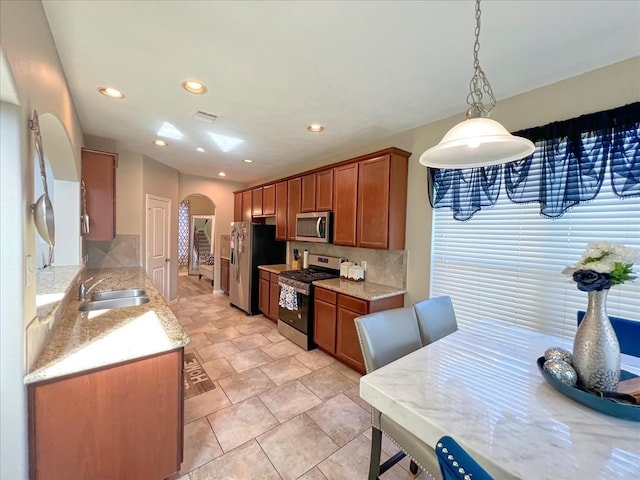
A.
pixel 505 263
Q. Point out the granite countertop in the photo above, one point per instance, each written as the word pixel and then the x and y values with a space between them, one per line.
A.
pixel 82 341
pixel 53 286
pixel 365 290
pixel 281 267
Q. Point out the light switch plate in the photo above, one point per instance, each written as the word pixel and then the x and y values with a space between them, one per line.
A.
pixel 29 271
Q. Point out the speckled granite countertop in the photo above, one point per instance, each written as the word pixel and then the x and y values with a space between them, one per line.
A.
pixel 364 290
pixel 275 268
pixel 53 285
pixel 88 340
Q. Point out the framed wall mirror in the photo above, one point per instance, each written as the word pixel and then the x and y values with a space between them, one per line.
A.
pixel 201 242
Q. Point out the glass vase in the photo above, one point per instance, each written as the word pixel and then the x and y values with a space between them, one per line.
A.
pixel 596 352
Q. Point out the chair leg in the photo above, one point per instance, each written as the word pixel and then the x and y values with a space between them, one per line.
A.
pixel 413 467
pixel 376 447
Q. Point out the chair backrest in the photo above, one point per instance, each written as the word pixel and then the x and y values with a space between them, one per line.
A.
pixel 386 336
pixel 436 318
pixel 456 463
pixel 627 331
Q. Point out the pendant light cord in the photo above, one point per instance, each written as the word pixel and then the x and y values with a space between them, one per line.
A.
pixel 479 84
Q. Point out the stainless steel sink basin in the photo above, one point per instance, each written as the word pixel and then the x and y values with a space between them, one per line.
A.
pixel 109 294
pixel 113 303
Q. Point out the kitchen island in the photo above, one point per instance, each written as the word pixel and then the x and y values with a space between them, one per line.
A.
pixel 106 393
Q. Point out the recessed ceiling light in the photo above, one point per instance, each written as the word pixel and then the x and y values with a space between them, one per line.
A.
pixel 247 160
pixel 222 174
pixel 194 86
pixel 111 92
pixel 200 149
pixel 315 127
pixel 160 143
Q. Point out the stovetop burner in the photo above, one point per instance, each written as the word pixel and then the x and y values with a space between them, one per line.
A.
pixel 309 275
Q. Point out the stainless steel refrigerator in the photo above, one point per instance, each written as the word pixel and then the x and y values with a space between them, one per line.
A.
pixel 251 245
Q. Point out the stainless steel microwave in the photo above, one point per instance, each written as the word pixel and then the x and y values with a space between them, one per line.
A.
pixel 313 227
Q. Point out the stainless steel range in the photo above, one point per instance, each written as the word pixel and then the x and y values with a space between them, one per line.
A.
pixel 296 298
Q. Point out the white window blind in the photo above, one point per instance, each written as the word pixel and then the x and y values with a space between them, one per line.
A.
pixel 506 262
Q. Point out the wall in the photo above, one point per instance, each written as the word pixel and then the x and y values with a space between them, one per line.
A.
pixel 221 193
pixel 31 62
pixel 200 205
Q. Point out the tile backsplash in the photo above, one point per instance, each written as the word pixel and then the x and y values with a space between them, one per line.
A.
pixel 388 267
pixel 122 251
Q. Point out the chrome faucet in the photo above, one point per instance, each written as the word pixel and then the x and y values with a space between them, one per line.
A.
pixel 83 290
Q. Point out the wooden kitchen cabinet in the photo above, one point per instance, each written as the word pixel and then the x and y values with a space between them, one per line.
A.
pixel 124 421
pixel 269 200
pixel 308 195
pixel 324 191
pixel 334 323
pixel 99 176
pixel 224 275
pixel 345 204
pixel 237 207
pixel 256 202
pixel 382 202
pixel 247 206
pixel 293 205
pixel 269 295
pixel 281 211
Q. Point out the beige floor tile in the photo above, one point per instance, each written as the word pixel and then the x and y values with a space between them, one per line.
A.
pixel 354 394
pixel 273 336
pixel 348 372
pixel 189 311
pixel 315 359
pixel 224 322
pixel 289 400
pixel 199 340
pixel 200 327
pixel 204 404
pixel 248 359
pixel 253 327
pixel 285 370
pixel 249 342
pixel 352 462
pixel 341 418
pixel 282 349
pixel 218 368
pixel 313 474
pixel 200 445
pixel 243 385
pixel 183 319
pixel 241 422
pixel 222 334
pixel 296 446
pixel 217 350
pixel 326 382
pixel 247 462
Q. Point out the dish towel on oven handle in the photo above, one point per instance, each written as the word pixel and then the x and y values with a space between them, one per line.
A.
pixel 288 297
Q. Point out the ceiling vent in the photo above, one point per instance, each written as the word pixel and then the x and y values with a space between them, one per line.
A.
pixel 205 117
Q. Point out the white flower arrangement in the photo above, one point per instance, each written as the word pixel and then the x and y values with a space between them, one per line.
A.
pixel 602 265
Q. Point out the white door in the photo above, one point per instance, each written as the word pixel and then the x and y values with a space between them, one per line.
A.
pixel 159 243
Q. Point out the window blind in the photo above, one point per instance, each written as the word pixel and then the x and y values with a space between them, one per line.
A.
pixel 506 262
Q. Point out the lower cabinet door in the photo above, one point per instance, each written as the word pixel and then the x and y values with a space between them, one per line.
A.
pixel 274 300
pixel 263 298
pixel 347 343
pixel 324 328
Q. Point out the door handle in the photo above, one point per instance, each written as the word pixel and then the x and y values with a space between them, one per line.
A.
pixel 167 259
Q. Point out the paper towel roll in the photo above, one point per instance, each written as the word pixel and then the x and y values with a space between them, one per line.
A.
pixel 305 259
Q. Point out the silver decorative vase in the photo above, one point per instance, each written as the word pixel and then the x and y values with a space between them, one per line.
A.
pixel 596 352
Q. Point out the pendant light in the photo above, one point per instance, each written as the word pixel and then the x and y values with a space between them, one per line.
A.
pixel 478 141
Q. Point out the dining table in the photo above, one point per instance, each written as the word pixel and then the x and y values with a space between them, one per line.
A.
pixel 481 385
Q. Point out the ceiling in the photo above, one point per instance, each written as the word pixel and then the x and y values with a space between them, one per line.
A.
pixel 363 69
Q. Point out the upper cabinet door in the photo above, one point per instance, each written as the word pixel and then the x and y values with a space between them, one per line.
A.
pixel 345 204
pixel 246 206
pixel 281 211
pixel 256 202
pixel 237 207
pixel 324 191
pixel 269 200
pixel 99 175
pixel 293 205
pixel 308 193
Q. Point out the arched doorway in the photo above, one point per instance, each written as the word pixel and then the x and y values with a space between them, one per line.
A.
pixel 196 234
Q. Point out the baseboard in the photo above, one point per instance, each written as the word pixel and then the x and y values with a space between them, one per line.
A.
pixel 217 292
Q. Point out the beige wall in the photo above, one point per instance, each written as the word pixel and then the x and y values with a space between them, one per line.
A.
pixel 200 205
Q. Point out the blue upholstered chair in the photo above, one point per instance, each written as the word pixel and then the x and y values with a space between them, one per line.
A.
pixel 627 331
pixel 456 463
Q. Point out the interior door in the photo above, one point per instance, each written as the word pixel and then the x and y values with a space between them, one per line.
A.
pixel 158 231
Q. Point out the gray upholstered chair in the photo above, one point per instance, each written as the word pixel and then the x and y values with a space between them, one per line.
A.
pixel 385 337
pixel 436 318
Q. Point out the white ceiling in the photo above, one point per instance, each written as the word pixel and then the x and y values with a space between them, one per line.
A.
pixel 364 69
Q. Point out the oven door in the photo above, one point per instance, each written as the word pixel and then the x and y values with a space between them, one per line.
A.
pixel 299 317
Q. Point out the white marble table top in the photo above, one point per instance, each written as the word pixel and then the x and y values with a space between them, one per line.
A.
pixel 481 385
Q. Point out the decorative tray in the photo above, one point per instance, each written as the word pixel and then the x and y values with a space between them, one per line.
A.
pixel 591 400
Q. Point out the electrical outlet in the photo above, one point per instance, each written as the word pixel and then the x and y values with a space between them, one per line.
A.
pixel 364 265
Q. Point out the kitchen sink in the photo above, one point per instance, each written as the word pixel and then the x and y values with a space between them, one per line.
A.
pixel 108 303
pixel 110 294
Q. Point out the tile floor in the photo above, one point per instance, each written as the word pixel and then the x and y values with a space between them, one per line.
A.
pixel 277 412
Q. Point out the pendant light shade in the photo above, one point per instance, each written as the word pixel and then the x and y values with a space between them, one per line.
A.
pixel 476 142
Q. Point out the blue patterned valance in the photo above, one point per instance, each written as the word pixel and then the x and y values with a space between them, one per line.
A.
pixel 569 166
